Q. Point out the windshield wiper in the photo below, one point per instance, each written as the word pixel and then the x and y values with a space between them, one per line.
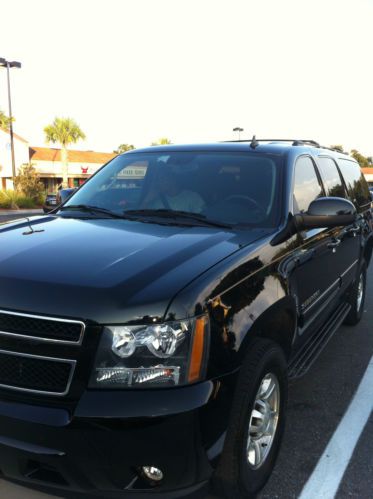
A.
pixel 176 215
pixel 136 214
pixel 92 209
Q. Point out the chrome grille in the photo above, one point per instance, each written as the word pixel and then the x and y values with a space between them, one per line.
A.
pixel 35 373
pixel 49 329
pixel 33 351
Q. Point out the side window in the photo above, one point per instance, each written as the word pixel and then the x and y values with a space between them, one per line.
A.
pixel 331 178
pixel 306 184
pixel 355 181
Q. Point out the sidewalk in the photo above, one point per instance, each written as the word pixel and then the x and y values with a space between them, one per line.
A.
pixel 25 211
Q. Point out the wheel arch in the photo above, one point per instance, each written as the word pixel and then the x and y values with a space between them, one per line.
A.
pixel 277 323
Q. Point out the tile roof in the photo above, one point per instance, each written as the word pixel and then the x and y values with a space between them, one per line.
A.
pixel 15 135
pixel 52 154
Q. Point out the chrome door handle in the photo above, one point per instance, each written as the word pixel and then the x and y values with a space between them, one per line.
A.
pixel 334 244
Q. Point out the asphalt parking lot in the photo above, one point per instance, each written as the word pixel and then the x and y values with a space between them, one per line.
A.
pixel 317 404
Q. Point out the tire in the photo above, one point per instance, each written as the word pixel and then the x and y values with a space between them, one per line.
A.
pixel 241 474
pixel 357 297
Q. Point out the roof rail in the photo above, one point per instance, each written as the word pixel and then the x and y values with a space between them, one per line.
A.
pixel 335 150
pixel 254 142
pixel 295 142
pixel 306 142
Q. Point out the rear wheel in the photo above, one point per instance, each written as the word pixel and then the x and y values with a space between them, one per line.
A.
pixel 357 297
pixel 256 424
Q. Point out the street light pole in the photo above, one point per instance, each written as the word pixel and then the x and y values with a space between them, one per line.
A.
pixel 11 124
pixel 239 130
pixel 8 65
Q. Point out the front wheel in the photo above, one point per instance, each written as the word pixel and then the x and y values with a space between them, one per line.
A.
pixel 256 424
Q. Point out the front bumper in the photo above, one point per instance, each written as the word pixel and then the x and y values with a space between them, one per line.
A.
pixel 100 448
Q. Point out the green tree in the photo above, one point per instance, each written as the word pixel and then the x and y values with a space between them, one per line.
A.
pixel 337 147
pixel 4 120
pixel 362 160
pixel 28 182
pixel 124 148
pixel 162 141
pixel 65 131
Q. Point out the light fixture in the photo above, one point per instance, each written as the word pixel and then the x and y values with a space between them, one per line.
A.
pixel 152 473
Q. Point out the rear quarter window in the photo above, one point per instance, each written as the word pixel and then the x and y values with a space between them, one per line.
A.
pixel 355 182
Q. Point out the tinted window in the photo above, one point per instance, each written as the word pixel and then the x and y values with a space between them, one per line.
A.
pixel 235 188
pixel 355 181
pixel 330 176
pixel 306 184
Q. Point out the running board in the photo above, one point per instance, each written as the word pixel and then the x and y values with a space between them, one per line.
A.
pixel 311 350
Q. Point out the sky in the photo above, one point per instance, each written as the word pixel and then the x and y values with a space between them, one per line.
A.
pixel 132 71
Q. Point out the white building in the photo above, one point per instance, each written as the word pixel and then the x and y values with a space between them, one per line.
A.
pixel 368 174
pixel 81 165
pixel 21 155
pixel 47 162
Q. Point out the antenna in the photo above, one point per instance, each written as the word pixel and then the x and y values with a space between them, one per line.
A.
pixel 32 230
pixel 254 143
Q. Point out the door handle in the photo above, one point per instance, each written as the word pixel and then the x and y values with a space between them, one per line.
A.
pixel 353 231
pixel 334 245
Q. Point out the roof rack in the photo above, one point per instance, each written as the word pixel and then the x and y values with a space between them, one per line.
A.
pixel 335 150
pixel 254 142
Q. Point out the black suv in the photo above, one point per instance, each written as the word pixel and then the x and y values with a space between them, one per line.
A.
pixel 148 327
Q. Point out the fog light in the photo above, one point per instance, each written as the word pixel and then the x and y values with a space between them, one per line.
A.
pixel 152 473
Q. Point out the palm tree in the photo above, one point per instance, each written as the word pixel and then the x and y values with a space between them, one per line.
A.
pixel 124 148
pixel 4 120
pixel 65 131
pixel 161 142
pixel 337 147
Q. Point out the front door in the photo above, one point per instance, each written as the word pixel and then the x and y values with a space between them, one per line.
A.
pixel 347 239
pixel 315 280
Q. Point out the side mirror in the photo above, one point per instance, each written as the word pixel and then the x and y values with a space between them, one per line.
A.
pixel 326 212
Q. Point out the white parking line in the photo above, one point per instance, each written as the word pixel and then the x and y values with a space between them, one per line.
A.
pixel 328 474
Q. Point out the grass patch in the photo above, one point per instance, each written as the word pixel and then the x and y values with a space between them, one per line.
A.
pixel 13 200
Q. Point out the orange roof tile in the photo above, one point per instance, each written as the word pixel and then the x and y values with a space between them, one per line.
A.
pixel 52 154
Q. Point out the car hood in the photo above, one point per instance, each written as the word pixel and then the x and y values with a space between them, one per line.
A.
pixel 105 270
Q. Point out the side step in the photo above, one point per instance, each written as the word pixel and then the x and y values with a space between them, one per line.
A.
pixel 314 346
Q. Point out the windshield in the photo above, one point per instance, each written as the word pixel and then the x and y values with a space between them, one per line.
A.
pixel 226 187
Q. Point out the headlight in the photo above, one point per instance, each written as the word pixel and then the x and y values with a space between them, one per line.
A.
pixel 169 354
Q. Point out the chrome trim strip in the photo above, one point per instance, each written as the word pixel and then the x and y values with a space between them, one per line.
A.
pixel 321 296
pixel 45 318
pixel 330 287
pixel 42 392
pixel 349 268
pixel 323 306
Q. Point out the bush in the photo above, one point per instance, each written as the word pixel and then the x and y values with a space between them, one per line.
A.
pixel 25 202
pixel 28 182
pixel 40 200
pixel 8 199
pixel 13 200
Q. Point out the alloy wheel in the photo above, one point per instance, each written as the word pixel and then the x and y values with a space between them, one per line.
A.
pixel 263 421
